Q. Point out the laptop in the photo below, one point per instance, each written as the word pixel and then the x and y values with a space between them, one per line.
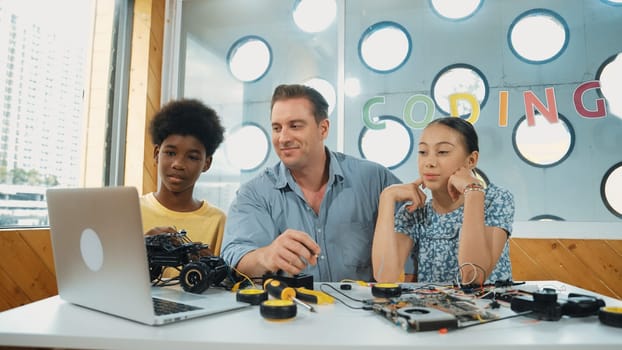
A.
pixel 101 259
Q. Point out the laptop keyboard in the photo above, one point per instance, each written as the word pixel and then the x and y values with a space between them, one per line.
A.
pixel 167 307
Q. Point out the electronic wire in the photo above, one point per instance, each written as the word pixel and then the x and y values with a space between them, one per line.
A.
pixel 475 273
pixel 239 284
pixel 165 282
pixel 367 308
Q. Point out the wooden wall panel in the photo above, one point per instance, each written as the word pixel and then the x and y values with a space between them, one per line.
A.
pixel 144 93
pixel 154 88
pixel 601 260
pixel 524 267
pixel 591 264
pixel 27 269
pixel 616 245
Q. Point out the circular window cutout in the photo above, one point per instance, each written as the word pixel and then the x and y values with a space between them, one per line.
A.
pixel 384 47
pixel 608 75
pixel 390 146
pixel 326 89
pixel 314 16
pixel 455 10
pixel 544 144
pixel 538 36
pixel 611 189
pixel 237 149
pixel 546 217
pixel 462 79
pixel 249 58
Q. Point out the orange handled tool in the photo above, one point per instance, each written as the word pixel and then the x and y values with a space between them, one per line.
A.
pixel 280 290
pixel 313 296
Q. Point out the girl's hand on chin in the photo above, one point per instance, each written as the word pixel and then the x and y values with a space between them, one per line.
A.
pixel 458 181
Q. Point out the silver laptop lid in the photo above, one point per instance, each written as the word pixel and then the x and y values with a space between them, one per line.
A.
pixel 99 250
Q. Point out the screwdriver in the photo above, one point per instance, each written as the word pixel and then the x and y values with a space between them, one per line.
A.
pixel 313 296
pixel 280 290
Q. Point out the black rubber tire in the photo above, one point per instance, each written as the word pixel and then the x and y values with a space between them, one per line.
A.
pixel 277 309
pixel 194 277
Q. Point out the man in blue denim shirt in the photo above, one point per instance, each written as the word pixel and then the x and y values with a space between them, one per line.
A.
pixel 315 210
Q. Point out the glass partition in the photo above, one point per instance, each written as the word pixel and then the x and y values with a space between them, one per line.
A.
pixel 548 132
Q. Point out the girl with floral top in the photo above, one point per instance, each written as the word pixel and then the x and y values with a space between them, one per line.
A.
pixel 461 232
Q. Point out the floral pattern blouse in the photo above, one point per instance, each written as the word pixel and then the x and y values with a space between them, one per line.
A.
pixel 436 237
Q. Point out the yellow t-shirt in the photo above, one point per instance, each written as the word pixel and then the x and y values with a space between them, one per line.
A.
pixel 205 225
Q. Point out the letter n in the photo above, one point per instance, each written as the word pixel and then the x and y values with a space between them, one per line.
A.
pixel 532 102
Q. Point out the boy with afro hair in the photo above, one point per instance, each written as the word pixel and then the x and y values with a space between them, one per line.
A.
pixel 185 134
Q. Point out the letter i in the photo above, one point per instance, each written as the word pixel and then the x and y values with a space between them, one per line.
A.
pixel 503 108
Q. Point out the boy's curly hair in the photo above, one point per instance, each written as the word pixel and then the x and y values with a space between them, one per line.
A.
pixel 188 117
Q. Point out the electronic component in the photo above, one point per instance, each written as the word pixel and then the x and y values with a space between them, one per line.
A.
pixel 544 305
pixel 416 319
pixel 431 311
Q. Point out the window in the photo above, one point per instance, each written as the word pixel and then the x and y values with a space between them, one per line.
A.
pixel 546 217
pixel 390 145
pixel 608 75
pixel 244 158
pixel 543 144
pixel 314 16
pixel 385 47
pixel 610 189
pixel 44 131
pixel 455 10
pixel 249 58
pixel 538 36
pixel 463 79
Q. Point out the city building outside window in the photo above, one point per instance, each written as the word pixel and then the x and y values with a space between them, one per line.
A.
pixel 45 59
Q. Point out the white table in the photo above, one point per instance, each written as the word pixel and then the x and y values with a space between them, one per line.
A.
pixel 54 323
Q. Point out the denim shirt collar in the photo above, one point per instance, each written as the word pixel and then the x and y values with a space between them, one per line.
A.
pixel 285 179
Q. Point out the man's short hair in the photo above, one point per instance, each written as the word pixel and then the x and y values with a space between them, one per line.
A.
pixel 188 117
pixel 286 92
